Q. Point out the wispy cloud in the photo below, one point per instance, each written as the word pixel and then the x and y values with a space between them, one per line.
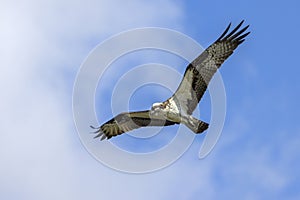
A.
pixel 42 47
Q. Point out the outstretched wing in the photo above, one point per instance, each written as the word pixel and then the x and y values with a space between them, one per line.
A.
pixel 201 70
pixel 128 121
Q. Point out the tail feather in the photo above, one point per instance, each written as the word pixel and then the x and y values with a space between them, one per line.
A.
pixel 196 125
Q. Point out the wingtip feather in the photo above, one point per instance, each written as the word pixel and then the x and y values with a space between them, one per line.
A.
pixel 99 133
pixel 242 36
pixel 103 137
pixel 233 31
pixel 224 33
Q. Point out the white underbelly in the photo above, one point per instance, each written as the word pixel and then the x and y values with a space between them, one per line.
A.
pixel 174 117
pixel 173 111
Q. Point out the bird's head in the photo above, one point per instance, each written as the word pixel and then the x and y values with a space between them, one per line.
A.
pixel 156 108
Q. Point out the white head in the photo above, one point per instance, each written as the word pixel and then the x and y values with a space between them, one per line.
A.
pixel 156 105
pixel 156 108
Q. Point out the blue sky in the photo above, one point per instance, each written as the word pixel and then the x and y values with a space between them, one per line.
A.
pixel 43 44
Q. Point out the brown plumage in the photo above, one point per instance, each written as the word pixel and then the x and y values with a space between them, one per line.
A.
pixel 179 108
pixel 128 121
pixel 202 69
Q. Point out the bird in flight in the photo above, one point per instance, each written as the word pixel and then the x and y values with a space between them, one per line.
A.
pixel 179 107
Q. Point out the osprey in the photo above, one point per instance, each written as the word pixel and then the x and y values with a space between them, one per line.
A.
pixel 179 108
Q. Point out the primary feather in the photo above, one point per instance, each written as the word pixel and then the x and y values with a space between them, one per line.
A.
pixel 179 108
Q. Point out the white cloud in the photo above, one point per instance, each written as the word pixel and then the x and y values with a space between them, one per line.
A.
pixel 42 46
